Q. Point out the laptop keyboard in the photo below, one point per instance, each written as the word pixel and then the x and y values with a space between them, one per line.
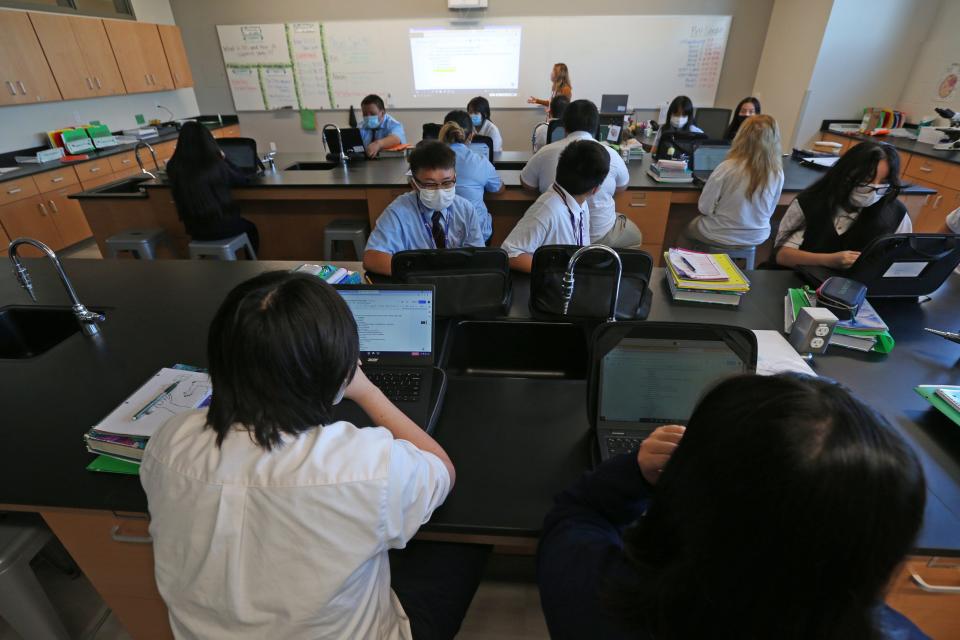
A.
pixel 621 444
pixel 398 386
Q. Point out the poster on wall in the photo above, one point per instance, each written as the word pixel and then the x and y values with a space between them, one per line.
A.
pixel 947 87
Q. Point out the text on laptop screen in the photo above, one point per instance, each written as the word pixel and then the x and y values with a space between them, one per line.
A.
pixel 392 321
pixel 707 158
pixel 660 381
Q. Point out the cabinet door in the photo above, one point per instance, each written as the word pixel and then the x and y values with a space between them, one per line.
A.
pixel 30 218
pixel 67 215
pixel 124 40
pixel 98 55
pixel 176 55
pixel 4 241
pixel 24 72
pixel 64 55
pixel 932 217
pixel 156 61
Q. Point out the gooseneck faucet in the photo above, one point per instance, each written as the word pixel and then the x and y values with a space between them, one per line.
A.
pixel 569 280
pixel 343 156
pixel 156 163
pixel 88 319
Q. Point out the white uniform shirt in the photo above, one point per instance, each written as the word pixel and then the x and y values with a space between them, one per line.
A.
pixel 290 543
pixel 539 138
pixel 842 221
pixel 541 171
pixel 728 217
pixel 491 131
pixel 548 221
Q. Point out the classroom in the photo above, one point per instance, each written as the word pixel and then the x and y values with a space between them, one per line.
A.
pixel 480 319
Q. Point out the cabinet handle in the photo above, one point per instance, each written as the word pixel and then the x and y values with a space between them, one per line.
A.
pixel 926 199
pixel 146 78
pixel 638 204
pixel 116 536
pixel 23 89
pixel 53 206
pixel 14 190
pixel 97 80
pixel 43 209
pixel 57 179
pixel 176 76
pixel 13 89
pixel 94 169
pixel 926 168
pixel 936 203
pixel 89 83
pixel 125 161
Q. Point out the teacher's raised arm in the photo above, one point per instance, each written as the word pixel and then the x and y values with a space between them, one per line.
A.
pixel 560 81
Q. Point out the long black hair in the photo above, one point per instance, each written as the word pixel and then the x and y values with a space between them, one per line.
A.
pixel 457 127
pixel 737 119
pixel 280 347
pixel 480 105
pixel 680 105
pixel 782 514
pixel 199 176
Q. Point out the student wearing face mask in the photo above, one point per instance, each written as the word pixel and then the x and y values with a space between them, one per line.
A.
pixel 379 130
pixel 747 107
pixel 679 118
pixel 831 222
pixel 432 216
pixel 479 110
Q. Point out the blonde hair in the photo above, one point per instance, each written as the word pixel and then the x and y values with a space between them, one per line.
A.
pixel 757 148
pixel 451 133
pixel 563 77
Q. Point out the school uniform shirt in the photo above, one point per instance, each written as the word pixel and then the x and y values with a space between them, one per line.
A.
pixel 406 224
pixel 475 175
pixel 539 138
pixel 842 221
pixel 554 218
pixel 691 129
pixel 390 126
pixel 491 131
pixel 541 170
pixel 727 216
pixel 288 543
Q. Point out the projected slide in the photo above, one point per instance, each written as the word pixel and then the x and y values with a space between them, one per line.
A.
pixel 466 60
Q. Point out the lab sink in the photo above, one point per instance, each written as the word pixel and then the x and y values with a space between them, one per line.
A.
pixel 27 332
pixel 312 166
pixel 518 349
pixel 127 188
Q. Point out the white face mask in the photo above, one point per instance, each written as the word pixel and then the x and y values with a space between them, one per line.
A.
pixel 437 199
pixel 678 121
pixel 863 197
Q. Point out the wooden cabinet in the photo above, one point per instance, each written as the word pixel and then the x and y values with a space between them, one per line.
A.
pixel 41 209
pixel 844 142
pixel 165 151
pixel 56 179
pixel 125 161
pixel 928 169
pixel 79 54
pixel 936 206
pixel 18 189
pixel 30 218
pixel 92 173
pixel 67 215
pixel 4 241
pixel 176 55
pixel 139 53
pixel 230 131
pixel 25 75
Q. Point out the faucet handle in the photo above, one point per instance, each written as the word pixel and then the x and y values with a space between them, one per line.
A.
pixel 23 277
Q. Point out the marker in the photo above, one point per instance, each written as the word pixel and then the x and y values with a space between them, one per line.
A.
pixel 150 405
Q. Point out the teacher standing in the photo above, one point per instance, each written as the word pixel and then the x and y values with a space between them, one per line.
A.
pixel 560 80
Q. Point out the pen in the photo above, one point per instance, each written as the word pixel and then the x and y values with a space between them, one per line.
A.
pixel 150 405
pixel 952 336
pixel 693 269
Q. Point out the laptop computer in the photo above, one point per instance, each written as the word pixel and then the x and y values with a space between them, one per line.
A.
pixel 706 158
pixel 352 143
pixel 648 374
pixel 396 327
pixel 613 103
pixel 904 265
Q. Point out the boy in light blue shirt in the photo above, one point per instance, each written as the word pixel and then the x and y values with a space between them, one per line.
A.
pixel 379 130
pixel 432 216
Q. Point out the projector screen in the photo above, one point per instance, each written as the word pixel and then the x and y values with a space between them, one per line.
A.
pixel 478 60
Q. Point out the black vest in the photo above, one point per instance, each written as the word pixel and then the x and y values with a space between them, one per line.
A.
pixel 820 236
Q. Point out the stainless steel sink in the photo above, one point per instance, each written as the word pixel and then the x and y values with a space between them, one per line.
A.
pixel 312 166
pixel 27 332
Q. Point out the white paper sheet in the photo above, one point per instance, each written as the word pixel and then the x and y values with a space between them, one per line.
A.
pixel 192 391
pixel 775 355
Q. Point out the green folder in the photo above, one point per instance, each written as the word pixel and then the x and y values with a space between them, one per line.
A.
pixel 106 464
pixel 929 393
pixel 884 341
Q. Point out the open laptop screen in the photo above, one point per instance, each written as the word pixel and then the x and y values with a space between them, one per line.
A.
pixel 708 157
pixel 613 103
pixel 659 381
pixel 392 322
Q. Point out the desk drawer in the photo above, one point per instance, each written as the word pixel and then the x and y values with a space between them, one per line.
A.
pixel 53 180
pixel 93 169
pixel 13 190
pixel 124 161
pixel 648 210
pixel 924 168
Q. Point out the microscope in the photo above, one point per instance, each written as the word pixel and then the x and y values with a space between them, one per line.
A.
pixel 951 139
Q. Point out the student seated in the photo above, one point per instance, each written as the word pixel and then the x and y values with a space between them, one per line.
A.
pixel 834 219
pixel 679 119
pixel 558 105
pixel 379 130
pixel 479 110
pixel 781 511
pixel 475 173
pixel 747 107
pixel 269 518
pixel 432 216
pixel 561 214
pixel 580 120
pixel 200 180
pixel 741 194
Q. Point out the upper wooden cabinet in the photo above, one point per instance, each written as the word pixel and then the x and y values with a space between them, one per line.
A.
pixel 93 41
pixel 79 54
pixel 176 55
pixel 25 76
pixel 139 53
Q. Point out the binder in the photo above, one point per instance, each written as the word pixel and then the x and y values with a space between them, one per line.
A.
pixel 929 393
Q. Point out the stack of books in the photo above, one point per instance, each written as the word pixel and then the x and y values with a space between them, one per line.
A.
pixel 331 273
pixel 866 332
pixel 709 278
pixel 674 171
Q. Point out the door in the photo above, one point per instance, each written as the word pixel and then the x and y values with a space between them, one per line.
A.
pixel 67 215
pixel 24 72
pixel 176 55
pixel 156 61
pixel 30 218
pixel 101 63
pixel 64 55
pixel 124 40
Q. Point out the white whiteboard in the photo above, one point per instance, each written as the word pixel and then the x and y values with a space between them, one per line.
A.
pixel 332 65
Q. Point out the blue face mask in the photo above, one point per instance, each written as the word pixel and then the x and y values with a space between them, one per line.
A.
pixel 371 122
pixel 476 119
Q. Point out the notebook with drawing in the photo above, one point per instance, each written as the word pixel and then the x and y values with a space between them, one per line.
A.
pixel 157 402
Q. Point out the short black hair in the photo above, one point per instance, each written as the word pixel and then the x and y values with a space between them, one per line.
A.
pixel 373 99
pixel 480 105
pixel 583 166
pixel 581 115
pixel 432 154
pixel 558 105
pixel 279 349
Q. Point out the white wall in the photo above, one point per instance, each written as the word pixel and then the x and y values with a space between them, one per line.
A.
pixel 941 49
pixel 25 126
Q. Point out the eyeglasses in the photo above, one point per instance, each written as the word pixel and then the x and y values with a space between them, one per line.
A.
pixel 433 186
pixel 881 189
